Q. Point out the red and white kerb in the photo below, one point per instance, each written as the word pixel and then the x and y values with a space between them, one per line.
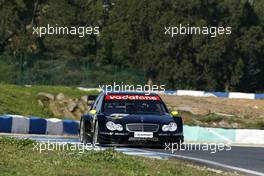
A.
pixel 131 97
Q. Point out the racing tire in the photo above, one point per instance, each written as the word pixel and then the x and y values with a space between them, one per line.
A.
pixel 84 138
pixel 95 134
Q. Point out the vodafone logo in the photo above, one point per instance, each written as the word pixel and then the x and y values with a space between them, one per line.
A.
pixel 131 97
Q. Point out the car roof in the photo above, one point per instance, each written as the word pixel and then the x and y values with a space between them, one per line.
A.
pixel 130 93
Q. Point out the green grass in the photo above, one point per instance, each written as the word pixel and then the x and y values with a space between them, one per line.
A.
pixel 211 118
pixel 24 101
pixel 258 124
pixel 19 158
pixel 207 120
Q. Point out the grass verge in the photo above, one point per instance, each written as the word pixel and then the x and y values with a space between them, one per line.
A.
pixel 19 158
pixel 212 120
pixel 23 100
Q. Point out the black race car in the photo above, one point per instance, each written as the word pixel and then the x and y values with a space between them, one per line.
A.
pixel 130 118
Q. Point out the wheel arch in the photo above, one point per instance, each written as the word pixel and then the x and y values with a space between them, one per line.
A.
pixel 179 122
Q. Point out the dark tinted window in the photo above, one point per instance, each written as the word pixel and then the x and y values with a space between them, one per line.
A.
pixel 132 105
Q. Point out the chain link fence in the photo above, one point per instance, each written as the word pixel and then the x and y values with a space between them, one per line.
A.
pixel 69 72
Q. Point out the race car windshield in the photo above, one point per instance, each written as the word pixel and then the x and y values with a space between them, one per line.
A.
pixel 131 105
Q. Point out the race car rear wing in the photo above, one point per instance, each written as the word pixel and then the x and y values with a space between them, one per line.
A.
pixel 91 99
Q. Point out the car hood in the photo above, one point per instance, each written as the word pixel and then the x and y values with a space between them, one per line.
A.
pixel 141 118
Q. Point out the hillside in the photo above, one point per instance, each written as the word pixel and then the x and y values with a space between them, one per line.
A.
pixel 71 103
pixel 30 101
pixel 218 112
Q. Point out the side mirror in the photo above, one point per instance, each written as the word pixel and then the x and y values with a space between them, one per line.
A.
pixel 174 113
pixel 92 112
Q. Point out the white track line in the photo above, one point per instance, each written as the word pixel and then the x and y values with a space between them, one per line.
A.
pixel 218 135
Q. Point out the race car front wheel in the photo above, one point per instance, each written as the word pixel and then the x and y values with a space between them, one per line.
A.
pixel 83 134
pixel 95 134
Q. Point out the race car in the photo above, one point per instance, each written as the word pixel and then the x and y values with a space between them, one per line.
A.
pixel 130 118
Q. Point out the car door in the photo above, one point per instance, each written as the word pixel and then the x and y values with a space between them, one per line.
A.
pixel 97 106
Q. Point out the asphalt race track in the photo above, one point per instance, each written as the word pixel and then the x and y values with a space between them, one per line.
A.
pixel 246 160
pixel 251 158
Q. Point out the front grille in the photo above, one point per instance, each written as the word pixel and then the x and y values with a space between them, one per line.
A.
pixel 146 127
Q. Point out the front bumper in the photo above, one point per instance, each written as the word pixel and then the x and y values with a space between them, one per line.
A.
pixel 127 138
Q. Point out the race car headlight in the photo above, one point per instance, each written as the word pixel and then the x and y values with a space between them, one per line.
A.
pixel 170 127
pixel 112 126
pixel 165 128
pixel 119 127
